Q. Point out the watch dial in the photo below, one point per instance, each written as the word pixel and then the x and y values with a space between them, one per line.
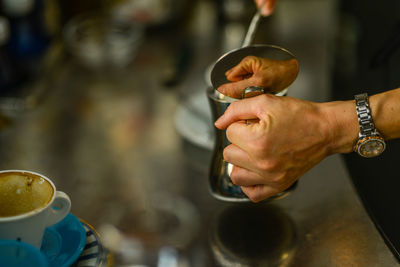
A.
pixel 372 148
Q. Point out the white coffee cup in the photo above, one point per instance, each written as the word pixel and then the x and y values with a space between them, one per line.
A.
pixel 29 202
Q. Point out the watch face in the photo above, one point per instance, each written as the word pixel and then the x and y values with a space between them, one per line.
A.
pixel 371 148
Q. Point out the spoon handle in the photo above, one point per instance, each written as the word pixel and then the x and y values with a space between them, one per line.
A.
pixel 252 29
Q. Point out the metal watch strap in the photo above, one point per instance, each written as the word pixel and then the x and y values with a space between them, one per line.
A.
pixel 367 127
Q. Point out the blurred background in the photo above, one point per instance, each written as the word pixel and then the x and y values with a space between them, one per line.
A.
pixel 107 99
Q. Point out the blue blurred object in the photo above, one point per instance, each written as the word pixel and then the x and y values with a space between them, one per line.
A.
pixel 64 242
pixel 20 254
pixel 29 36
pixel 26 40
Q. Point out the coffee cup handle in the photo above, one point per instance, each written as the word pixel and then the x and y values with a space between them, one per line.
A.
pixel 59 208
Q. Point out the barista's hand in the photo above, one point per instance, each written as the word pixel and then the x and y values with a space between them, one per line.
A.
pixel 273 75
pixel 290 137
pixel 266 6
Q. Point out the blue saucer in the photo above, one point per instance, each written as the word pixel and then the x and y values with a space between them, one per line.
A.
pixel 16 253
pixel 64 242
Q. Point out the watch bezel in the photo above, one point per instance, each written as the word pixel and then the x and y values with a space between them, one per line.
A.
pixel 362 142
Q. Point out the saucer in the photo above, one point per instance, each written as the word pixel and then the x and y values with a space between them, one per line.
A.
pixel 64 242
pixel 193 120
pixel 94 254
pixel 16 253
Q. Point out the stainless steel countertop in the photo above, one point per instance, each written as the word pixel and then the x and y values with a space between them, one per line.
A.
pixel 108 140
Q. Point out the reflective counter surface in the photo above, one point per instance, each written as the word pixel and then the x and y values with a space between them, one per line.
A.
pixel 108 139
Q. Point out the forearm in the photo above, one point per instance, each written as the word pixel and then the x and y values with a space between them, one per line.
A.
pixel 385 108
pixel 342 122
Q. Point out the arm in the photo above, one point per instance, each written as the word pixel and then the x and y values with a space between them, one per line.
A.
pixel 385 108
pixel 293 135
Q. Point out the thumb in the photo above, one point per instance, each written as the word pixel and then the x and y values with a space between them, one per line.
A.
pixel 236 89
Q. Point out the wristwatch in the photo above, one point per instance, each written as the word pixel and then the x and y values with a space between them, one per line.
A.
pixel 370 143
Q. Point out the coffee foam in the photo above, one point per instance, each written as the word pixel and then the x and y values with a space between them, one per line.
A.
pixel 22 192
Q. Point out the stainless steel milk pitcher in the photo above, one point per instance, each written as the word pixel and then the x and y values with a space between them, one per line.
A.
pixel 221 186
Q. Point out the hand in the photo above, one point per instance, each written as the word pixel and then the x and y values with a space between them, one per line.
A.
pixel 266 6
pixel 273 75
pixel 289 138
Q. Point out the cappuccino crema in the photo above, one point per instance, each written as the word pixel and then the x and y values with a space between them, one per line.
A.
pixel 22 192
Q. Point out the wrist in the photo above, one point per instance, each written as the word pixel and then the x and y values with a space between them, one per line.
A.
pixel 341 126
pixel 384 111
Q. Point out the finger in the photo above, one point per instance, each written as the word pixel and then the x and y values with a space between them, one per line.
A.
pixel 236 77
pixel 238 157
pixel 238 111
pixel 259 3
pixel 240 72
pixel 247 67
pixel 257 193
pixel 243 177
pixel 267 8
pixel 241 134
pixel 235 89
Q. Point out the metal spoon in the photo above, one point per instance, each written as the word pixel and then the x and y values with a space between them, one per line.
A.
pixel 252 29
